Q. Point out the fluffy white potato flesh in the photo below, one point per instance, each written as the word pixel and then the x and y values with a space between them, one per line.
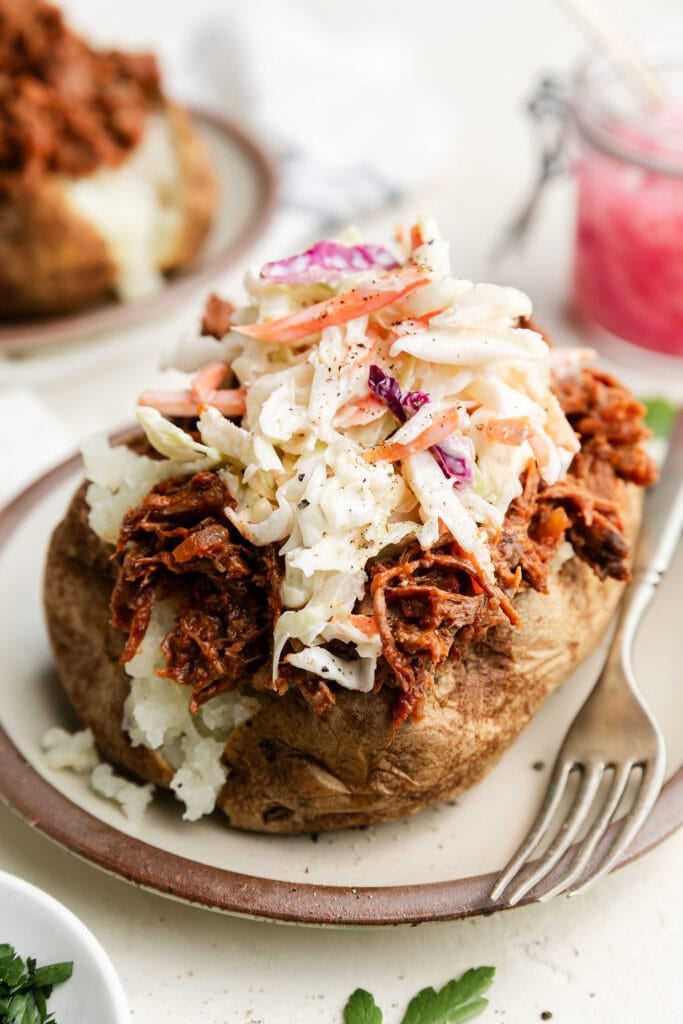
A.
pixel 136 208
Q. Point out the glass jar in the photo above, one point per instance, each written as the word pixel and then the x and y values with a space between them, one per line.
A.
pixel 628 261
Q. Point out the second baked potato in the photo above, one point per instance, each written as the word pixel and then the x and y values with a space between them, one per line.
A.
pixel 115 232
pixel 104 184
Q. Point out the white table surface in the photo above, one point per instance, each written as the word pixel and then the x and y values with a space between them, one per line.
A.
pixel 611 955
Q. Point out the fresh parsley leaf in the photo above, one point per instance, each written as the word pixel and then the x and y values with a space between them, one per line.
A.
pixel 53 974
pixel 457 1001
pixel 362 1009
pixel 660 416
pixel 25 988
pixel 19 1010
pixel 13 972
pixel 41 1003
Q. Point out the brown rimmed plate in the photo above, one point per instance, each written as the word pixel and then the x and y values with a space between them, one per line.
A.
pixel 438 865
pixel 247 195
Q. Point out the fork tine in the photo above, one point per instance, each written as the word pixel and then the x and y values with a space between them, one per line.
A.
pixel 553 798
pixel 588 787
pixel 650 784
pixel 595 834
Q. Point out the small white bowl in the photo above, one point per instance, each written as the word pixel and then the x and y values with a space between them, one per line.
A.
pixel 36 925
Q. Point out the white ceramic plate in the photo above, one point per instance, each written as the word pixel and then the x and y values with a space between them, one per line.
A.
pixel 37 926
pixel 246 202
pixel 436 865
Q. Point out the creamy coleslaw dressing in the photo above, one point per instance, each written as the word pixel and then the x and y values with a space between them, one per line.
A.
pixel 296 463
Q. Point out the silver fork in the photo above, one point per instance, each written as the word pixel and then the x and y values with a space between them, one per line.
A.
pixel 614 729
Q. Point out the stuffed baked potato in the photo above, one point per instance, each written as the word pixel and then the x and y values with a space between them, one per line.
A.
pixel 335 584
pixel 289 770
pixel 104 184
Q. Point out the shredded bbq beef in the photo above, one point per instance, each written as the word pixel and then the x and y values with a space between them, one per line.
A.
pixel 585 507
pixel 217 317
pixel 65 107
pixel 179 545
pixel 428 606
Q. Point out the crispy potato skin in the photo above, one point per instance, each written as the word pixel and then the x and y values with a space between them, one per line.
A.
pixel 79 578
pixel 53 261
pixel 293 771
pixel 198 190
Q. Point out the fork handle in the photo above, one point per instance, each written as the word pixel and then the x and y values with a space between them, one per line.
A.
pixel 661 531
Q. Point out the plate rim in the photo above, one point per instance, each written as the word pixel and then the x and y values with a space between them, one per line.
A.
pixel 32 333
pixel 24 790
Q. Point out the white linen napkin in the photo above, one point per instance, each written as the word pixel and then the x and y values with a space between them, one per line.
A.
pixel 343 111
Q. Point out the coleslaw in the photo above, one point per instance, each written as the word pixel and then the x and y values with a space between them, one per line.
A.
pixel 360 399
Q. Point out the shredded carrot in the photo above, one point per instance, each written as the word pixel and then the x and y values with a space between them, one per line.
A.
pixel 171 403
pixel 366 298
pixel 207 380
pixel 231 402
pixel 416 237
pixel 442 426
pixel 426 318
pixel 511 431
pixel 358 412
pixel 365 623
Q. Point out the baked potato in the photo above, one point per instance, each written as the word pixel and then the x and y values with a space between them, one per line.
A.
pixel 108 214
pixel 289 770
pixel 331 586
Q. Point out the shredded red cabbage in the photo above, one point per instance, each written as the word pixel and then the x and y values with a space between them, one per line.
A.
pixel 414 400
pixel 327 260
pixel 456 459
pixel 388 390
pixel 455 455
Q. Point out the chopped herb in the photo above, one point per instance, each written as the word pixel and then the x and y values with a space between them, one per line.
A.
pixel 660 416
pixel 459 1000
pixel 25 988
pixel 362 1009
